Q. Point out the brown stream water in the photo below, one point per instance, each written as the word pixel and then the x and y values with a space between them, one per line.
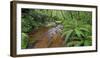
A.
pixel 40 39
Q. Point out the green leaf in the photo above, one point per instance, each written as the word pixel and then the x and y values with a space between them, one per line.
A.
pixel 74 43
pixel 58 21
pixel 79 43
pixel 68 35
pixel 84 29
pixel 64 33
pixel 78 33
pixel 87 43
pixel 24 40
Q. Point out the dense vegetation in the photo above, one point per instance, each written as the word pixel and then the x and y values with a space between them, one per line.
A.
pixel 77 25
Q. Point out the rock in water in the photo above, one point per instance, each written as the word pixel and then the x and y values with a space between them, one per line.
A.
pixel 53 31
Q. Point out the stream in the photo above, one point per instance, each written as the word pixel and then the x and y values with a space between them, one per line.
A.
pixel 46 37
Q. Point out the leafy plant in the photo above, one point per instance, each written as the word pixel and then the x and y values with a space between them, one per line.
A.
pixel 78 29
pixel 24 40
pixel 77 25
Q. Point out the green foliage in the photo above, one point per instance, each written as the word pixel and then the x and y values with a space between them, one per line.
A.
pixel 26 25
pixel 75 28
pixel 77 25
pixel 24 40
pixel 74 43
pixel 33 19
